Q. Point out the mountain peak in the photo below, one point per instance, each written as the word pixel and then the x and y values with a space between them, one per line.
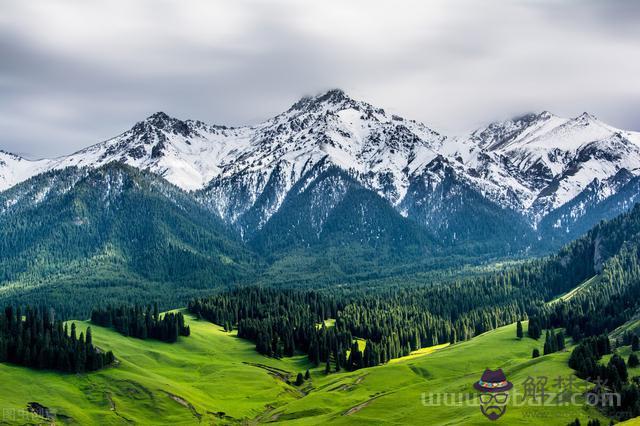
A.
pixel 546 115
pixel 333 96
pixel 585 116
pixel 160 115
pixel 162 121
pixel 330 98
pixel 533 117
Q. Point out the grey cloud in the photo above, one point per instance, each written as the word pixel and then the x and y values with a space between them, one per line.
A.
pixel 77 73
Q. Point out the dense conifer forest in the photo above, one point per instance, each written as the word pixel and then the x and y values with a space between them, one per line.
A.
pixel 35 339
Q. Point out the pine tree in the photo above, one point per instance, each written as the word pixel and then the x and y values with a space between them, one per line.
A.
pixel 299 379
pixel 635 343
pixel 307 375
pixel 633 361
pixel 560 341
pixel 534 329
pixel 535 353
pixel 548 348
pixel 73 332
pixel 519 333
pixel 551 342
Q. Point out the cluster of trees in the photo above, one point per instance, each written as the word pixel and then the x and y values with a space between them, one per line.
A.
pixel 584 358
pixel 553 342
pixel 613 376
pixel 141 322
pixel 33 338
pixel 534 330
pixel 280 322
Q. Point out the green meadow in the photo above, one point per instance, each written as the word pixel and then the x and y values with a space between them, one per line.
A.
pixel 213 377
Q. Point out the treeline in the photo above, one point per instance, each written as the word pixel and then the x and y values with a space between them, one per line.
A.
pixel 33 338
pixel 393 322
pixel 141 322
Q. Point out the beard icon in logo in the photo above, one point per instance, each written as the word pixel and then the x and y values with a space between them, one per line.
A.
pixel 494 393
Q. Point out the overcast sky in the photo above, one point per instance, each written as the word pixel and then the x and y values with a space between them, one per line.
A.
pixel 73 73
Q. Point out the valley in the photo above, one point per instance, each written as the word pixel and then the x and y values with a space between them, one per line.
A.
pixel 214 377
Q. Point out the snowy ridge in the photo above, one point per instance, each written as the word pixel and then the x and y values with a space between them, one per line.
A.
pixel 547 161
pixel 532 165
pixel 15 169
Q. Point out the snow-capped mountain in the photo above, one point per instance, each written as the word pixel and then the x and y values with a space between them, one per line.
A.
pixel 508 176
pixel 546 161
pixel 378 149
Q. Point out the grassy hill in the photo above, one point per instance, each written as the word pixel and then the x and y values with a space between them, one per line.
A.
pixel 214 377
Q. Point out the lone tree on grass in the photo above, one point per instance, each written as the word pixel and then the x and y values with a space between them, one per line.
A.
pixel 519 333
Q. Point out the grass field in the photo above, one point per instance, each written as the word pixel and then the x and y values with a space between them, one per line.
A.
pixel 213 377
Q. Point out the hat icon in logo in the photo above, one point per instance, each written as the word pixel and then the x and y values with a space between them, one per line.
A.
pixel 495 393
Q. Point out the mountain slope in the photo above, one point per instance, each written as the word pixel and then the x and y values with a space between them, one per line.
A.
pixel 445 204
pixel 81 234
pixel 600 200
pixel 330 208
